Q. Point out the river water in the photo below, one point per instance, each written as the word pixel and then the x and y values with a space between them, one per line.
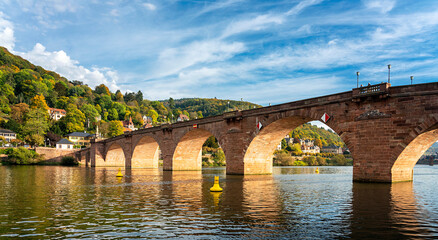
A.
pixel 51 202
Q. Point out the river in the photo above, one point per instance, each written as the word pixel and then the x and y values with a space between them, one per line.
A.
pixel 52 202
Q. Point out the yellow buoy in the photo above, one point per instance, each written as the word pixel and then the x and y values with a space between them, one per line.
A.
pixel 317 170
pixel 216 187
pixel 119 174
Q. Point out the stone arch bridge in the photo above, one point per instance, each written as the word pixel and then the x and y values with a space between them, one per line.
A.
pixel 386 129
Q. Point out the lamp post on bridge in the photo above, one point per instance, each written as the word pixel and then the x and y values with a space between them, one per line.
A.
pixel 389 73
pixel 412 78
pixel 357 74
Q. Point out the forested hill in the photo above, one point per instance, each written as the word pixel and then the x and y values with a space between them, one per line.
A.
pixel 210 106
pixel 308 131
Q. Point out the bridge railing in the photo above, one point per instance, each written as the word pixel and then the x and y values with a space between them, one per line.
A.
pixel 377 89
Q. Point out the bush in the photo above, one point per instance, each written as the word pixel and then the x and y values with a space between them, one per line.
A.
pixel 321 161
pixel 283 159
pixel 69 161
pixel 299 163
pixel 311 161
pixel 21 156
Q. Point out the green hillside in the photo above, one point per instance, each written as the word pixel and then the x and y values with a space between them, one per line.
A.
pixel 308 131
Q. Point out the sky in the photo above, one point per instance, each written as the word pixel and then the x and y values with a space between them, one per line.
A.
pixel 265 52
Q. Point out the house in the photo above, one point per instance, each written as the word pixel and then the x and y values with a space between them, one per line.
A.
pixel 312 149
pixel 128 125
pixel 332 149
pixel 8 135
pixel 80 138
pixel 56 114
pixel 308 146
pixel 64 144
pixel 182 118
pixel 147 119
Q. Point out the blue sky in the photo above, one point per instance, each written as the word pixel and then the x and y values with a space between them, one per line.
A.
pixel 261 51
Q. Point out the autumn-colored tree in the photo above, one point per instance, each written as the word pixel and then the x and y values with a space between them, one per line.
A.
pixel 102 89
pixel 318 143
pixel 18 111
pixel 115 128
pixel 119 96
pixel 39 102
pixel 153 114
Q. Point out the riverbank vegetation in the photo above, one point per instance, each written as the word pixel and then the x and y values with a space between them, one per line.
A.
pixel 20 156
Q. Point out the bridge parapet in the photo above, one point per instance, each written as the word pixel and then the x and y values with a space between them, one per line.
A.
pixel 381 90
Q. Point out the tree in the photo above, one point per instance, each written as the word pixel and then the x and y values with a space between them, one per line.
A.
pixel 211 142
pixel 311 161
pixel 321 161
pixel 105 101
pixel 219 158
pixel 200 114
pixel 153 114
pixel 185 113
pixel 318 143
pixel 61 88
pixel 283 144
pixel 129 96
pixel 74 119
pixel 171 103
pixel 115 128
pixel 39 102
pixel 119 96
pixel 339 160
pixel 121 110
pixel 18 111
pixel 62 102
pixel 283 159
pixel 90 112
pixel 295 149
pixel 102 89
pixel 35 126
pixel 139 96
pixel 112 114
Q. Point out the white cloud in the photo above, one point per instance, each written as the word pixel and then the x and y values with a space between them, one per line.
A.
pixel 382 6
pixel 60 62
pixel 173 60
pixel 301 6
pixel 258 23
pixel 7 38
pixel 150 6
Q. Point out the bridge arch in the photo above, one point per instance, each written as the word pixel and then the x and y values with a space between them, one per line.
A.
pixel 145 153
pixel 419 140
pixel 188 151
pixel 114 156
pixel 258 158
